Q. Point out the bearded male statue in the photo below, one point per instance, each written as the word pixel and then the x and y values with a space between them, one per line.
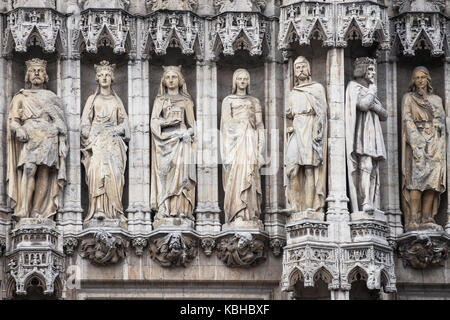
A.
pixel 37 147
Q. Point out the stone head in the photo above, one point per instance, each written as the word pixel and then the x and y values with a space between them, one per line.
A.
pixel 172 78
pixel 302 70
pixel 421 80
pixel 36 73
pixel 104 73
pixel 241 80
pixel 365 69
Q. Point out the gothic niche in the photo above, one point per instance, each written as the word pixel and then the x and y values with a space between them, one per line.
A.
pixel 174 249
pixel 423 252
pixel 104 248
pixel 241 250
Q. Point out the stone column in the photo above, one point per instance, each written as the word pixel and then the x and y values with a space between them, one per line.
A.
pixel 337 212
pixel 207 210
pixel 447 113
pixel 337 187
pixel 390 169
pixel 273 172
pixel 139 217
pixel 69 216
pixel 4 104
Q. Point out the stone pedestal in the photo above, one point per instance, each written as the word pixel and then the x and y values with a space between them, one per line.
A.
pixel 173 223
pixel 35 252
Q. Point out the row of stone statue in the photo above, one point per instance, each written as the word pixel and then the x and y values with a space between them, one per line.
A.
pixel 37 147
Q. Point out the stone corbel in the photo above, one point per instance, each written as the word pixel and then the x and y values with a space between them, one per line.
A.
pixel 70 244
pixel 208 244
pixel 139 244
pixel 104 248
pixel 421 250
pixel 277 245
pixel 241 249
pixel 173 249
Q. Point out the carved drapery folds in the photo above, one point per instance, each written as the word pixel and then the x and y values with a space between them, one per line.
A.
pixel 165 29
pixel 103 248
pixel 31 26
pixel 173 249
pixel 232 31
pixel 333 23
pixel 109 27
pixel 241 249
pixel 421 250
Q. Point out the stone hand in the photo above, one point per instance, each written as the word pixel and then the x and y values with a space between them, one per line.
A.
pixel 289 129
pixel 22 135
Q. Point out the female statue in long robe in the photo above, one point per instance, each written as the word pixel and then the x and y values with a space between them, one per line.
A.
pixel 104 131
pixel 242 142
pixel 424 170
pixel 173 149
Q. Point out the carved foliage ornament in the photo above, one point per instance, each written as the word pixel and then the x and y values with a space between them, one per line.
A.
pixel 423 251
pixel 241 250
pixel 182 30
pixel 208 245
pixel 174 249
pixel 103 248
pixel 31 26
pixel 69 245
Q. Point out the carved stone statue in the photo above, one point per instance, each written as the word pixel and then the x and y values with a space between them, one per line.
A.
pixel 306 141
pixel 173 173
pixel 37 147
pixel 104 131
pixel 171 4
pixel 242 145
pixel 424 170
pixel 364 137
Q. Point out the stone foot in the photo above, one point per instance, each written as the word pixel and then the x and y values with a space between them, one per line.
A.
pixel 368 208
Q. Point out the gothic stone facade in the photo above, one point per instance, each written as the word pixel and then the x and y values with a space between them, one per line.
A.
pixel 339 255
